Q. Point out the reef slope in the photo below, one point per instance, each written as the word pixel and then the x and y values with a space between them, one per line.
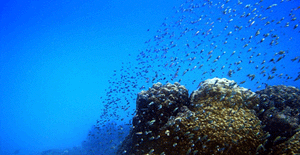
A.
pixel 218 118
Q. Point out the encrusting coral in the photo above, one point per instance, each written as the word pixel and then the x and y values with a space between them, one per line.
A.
pixel 218 118
pixel 279 111
pixel 222 109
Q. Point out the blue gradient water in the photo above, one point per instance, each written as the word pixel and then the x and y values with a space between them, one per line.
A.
pixel 57 57
pixel 55 60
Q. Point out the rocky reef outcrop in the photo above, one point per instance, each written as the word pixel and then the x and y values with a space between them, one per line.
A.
pixel 279 111
pixel 218 118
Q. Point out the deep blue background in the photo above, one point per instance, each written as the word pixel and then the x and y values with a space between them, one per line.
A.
pixel 55 60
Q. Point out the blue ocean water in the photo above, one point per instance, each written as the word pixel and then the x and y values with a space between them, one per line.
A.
pixel 71 70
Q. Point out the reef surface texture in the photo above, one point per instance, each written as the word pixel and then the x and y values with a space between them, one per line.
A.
pixel 218 118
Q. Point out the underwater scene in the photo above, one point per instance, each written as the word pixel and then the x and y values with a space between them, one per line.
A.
pixel 184 77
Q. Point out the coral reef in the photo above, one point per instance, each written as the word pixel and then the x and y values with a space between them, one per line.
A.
pixel 225 117
pixel 279 112
pixel 218 118
pixel 291 146
pixel 215 119
pixel 154 108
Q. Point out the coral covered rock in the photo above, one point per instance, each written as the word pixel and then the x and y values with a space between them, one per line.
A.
pixel 225 93
pixel 291 146
pixel 154 107
pixel 223 116
pixel 216 119
pixel 279 112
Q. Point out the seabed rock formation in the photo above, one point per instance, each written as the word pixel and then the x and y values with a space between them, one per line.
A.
pixel 218 118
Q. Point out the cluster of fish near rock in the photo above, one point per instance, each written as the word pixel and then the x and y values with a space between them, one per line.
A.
pixel 218 118
pixel 229 38
pixel 253 42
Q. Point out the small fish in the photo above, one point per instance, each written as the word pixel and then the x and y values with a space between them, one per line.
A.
pixel 257 32
pixel 267 135
pixel 260 147
pixel 151 151
pixel 297 78
pixel 251 76
pixel 269 7
pixel 230 73
pixel 279 58
pixel 187 133
pixel 139 133
pixel 151 138
pixel 296 130
pixel 242 82
pixel 294 59
pixel 233 53
pixel 189 151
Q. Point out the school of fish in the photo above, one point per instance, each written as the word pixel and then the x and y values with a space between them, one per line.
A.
pixel 213 48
